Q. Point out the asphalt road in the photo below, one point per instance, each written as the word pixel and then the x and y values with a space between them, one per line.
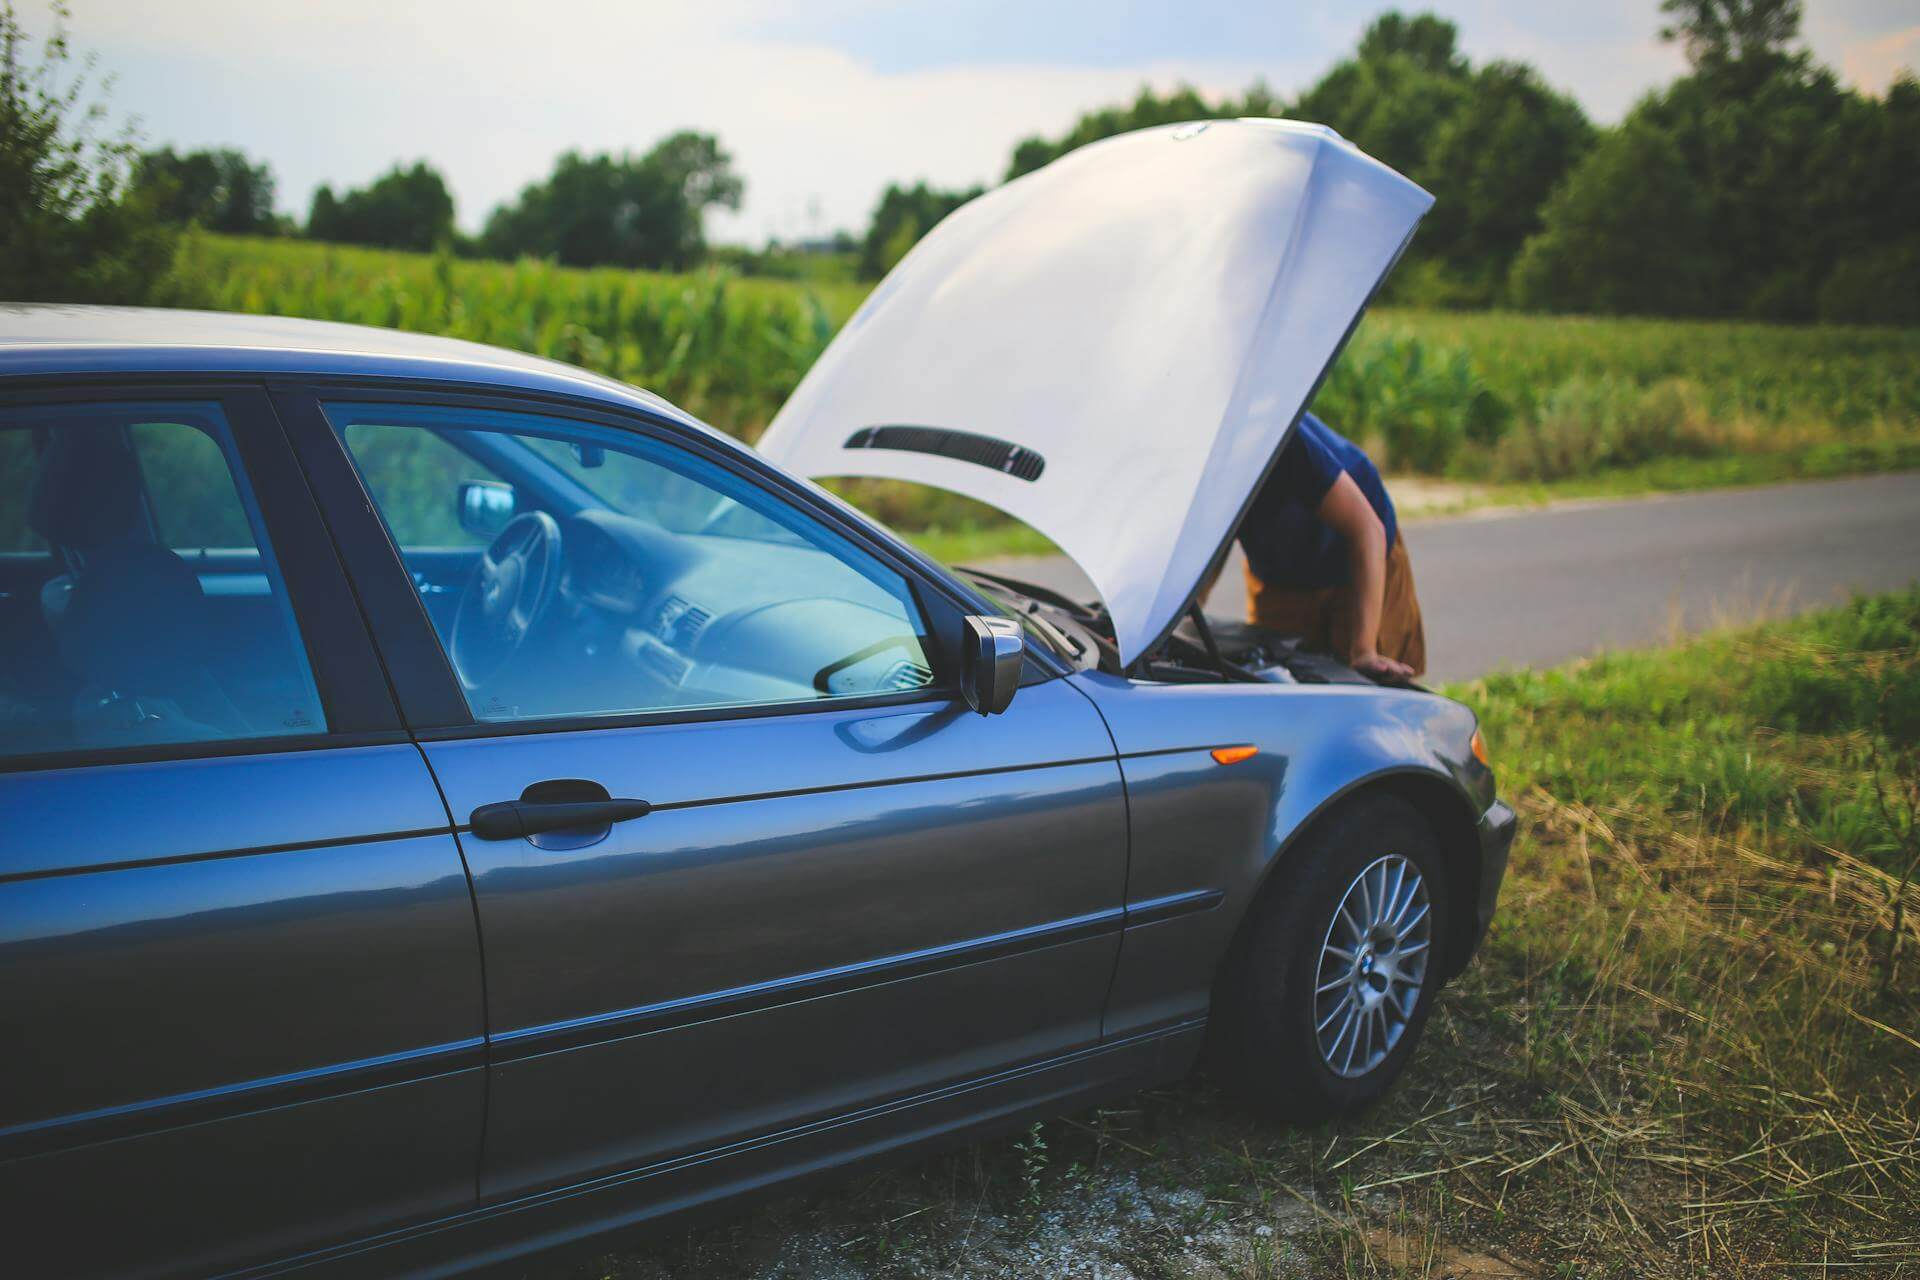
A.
pixel 1512 588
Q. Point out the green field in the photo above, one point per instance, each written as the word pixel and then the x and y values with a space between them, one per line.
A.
pixel 1523 405
pixel 726 348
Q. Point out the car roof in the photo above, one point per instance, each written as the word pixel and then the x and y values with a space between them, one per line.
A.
pixel 39 340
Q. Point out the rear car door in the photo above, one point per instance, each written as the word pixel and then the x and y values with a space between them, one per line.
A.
pixel 239 974
pixel 825 882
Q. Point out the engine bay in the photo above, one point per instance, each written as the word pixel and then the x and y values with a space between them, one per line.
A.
pixel 1216 651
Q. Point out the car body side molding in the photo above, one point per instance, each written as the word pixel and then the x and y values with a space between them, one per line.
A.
pixel 202 1105
pixel 500 1231
pixel 668 1014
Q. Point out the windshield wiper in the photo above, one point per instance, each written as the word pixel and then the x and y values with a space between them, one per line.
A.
pixel 1055 635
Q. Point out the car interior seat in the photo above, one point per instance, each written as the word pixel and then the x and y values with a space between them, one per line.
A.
pixel 128 617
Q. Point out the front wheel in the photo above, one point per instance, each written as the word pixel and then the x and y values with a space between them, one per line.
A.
pixel 1329 986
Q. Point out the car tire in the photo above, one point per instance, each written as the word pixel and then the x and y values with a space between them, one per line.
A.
pixel 1315 1016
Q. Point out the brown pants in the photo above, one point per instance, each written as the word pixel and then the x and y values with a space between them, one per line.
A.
pixel 1323 620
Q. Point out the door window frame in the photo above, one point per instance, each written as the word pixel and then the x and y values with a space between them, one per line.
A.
pixel 332 634
pixel 424 680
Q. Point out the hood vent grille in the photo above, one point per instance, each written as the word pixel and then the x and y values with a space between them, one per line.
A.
pixel 962 446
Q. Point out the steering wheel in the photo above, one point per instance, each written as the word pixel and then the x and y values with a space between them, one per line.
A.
pixel 509 592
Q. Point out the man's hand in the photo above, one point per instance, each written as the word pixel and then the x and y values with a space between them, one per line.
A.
pixel 1377 666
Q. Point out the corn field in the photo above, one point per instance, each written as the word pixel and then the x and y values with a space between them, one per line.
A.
pixel 725 348
pixel 1479 395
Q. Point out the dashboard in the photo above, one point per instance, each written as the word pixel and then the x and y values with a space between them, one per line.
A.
pixel 645 618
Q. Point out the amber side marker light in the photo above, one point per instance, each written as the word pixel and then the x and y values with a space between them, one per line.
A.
pixel 1234 755
pixel 1479 745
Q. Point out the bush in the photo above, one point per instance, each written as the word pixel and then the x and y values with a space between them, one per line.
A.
pixel 1852 670
pixel 1414 403
pixel 1589 424
pixel 1881 286
pixel 1872 624
pixel 70 230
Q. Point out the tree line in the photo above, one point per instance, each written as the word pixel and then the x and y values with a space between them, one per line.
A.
pixel 1755 185
pixel 599 210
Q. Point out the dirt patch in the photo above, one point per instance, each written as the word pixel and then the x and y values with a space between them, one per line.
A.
pixel 1435 1259
pixel 1417 496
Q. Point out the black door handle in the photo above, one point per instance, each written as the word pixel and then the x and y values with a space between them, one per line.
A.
pixel 517 819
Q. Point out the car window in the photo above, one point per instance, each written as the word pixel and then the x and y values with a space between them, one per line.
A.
pixel 623 575
pixel 140 603
pixel 675 501
pixel 189 488
pixel 415 477
pixel 16 482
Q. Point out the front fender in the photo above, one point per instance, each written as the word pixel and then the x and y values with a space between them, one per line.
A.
pixel 1207 836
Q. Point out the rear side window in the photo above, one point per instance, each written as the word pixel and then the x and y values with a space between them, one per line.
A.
pixel 140 602
pixel 189 488
pixel 16 481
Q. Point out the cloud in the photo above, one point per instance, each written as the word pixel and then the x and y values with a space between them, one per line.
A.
pixel 1606 53
pixel 818 120
pixel 491 90
pixel 1875 64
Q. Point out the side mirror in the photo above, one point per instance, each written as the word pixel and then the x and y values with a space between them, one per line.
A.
pixel 485 506
pixel 993 653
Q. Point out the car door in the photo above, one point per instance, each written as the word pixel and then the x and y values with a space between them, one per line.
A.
pixel 823 880
pixel 239 972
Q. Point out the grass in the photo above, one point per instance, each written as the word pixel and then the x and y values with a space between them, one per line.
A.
pixel 1417 497
pixel 976 543
pixel 1678 475
pixel 1778 377
pixel 727 348
pixel 1690 1046
pixel 1523 404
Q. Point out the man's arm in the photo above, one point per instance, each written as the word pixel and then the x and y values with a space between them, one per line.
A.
pixel 1348 512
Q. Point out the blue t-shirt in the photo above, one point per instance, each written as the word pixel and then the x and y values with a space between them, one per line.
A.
pixel 1286 542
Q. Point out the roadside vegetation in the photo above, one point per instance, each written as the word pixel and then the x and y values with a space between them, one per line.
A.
pixel 1513 398
pixel 1516 407
pixel 1690 1046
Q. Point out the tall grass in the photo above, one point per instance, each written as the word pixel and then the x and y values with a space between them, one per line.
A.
pixel 1487 396
pixel 1690 1045
pixel 1705 971
pixel 1510 397
pixel 1773 375
pixel 726 348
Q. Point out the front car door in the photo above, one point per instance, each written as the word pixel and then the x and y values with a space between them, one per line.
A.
pixel 239 975
pixel 845 887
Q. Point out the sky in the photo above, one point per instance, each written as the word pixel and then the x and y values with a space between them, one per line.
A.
pixel 821 102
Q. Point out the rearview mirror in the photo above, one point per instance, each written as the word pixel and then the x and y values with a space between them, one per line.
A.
pixel 485 506
pixel 993 653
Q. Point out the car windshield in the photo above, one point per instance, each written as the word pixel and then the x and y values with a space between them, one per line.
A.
pixel 625 482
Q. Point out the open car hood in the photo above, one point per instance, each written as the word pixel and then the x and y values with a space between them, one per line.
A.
pixel 1113 348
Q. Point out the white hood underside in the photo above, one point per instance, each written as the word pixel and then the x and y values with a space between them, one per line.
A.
pixel 1148 315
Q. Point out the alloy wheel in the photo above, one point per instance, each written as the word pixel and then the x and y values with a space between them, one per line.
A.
pixel 1373 966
